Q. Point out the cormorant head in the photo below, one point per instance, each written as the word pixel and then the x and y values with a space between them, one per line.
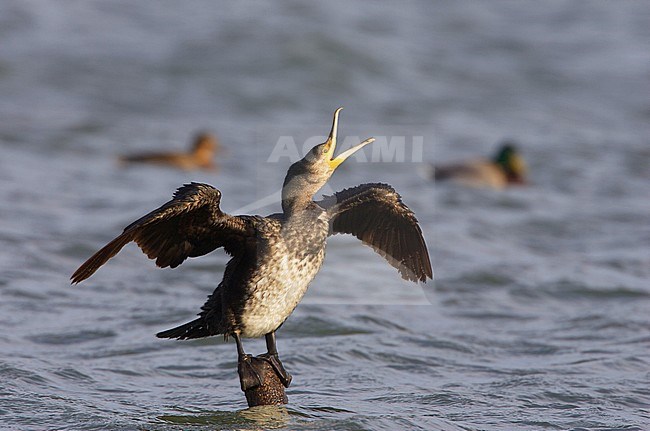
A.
pixel 512 163
pixel 309 174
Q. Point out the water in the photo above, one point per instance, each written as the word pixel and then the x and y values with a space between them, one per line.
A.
pixel 538 319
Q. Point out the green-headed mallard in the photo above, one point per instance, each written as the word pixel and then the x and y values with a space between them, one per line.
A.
pixel 505 169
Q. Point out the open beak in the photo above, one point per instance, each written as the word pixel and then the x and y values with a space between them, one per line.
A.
pixel 334 162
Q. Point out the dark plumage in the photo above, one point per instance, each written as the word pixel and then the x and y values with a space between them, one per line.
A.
pixel 375 214
pixel 274 258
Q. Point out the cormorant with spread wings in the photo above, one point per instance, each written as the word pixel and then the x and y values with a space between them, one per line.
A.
pixel 274 258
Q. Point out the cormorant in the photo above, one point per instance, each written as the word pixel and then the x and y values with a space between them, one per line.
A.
pixel 274 258
pixel 200 156
pixel 505 169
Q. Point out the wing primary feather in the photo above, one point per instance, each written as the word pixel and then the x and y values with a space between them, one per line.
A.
pixel 100 258
pixel 189 225
pixel 376 215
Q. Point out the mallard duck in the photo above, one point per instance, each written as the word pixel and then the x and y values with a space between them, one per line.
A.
pixel 204 148
pixel 507 168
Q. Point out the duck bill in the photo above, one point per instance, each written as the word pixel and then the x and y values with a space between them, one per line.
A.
pixel 519 169
pixel 334 162
pixel 519 164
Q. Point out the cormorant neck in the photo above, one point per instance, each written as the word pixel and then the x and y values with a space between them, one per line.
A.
pixel 297 193
pixel 300 185
pixel 295 204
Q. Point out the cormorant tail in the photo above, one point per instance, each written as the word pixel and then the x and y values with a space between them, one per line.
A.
pixel 194 329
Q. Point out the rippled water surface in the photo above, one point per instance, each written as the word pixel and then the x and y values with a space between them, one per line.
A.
pixel 539 316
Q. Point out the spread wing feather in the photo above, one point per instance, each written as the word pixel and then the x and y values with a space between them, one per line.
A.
pixel 189 225
pixel 376 215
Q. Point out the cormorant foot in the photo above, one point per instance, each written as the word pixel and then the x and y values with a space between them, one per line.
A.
pixel 274 360
pixel 249 376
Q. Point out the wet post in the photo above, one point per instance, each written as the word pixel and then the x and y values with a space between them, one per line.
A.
pixel 271 391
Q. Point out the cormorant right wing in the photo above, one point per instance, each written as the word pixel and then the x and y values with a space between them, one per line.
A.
pixel 189 225
pixel 376 215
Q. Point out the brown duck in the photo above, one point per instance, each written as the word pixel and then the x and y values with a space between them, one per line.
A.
pixel 201 155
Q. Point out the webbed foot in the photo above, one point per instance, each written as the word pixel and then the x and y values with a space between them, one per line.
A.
pixel 250 373
pixel 274 360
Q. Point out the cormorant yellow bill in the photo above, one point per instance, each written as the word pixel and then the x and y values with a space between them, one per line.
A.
pixel 331 144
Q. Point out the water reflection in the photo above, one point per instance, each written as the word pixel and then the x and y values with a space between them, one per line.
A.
pixel 261 417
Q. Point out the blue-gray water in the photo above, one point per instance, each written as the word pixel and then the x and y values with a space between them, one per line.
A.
pixel 540 315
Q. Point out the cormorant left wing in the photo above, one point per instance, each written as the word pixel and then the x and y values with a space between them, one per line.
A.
pixel 376 215
pixel 190 225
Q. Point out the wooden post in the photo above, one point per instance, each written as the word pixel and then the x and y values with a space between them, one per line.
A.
pixel 271 391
